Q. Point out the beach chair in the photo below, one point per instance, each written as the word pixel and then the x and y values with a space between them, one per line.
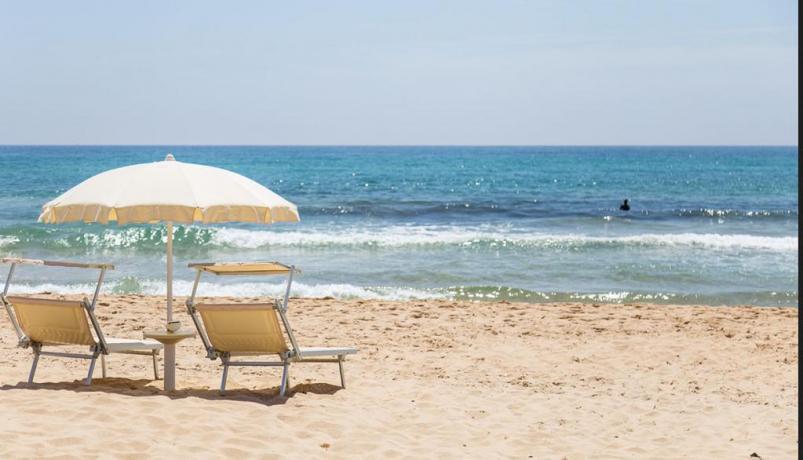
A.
pixel 249 329
pixel 41 323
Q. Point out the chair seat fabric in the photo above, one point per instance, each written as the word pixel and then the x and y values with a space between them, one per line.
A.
pixel 326 351
pixel 117 345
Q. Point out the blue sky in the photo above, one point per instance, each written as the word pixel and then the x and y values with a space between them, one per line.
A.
pixel 406 72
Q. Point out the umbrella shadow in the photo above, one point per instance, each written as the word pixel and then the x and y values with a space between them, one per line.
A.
pixel 145 388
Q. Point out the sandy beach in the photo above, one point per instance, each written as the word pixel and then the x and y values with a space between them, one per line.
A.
pixel 433 379
pixel 549 230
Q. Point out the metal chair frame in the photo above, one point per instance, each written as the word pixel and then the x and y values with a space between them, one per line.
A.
pixel 100 349
pixel 294 355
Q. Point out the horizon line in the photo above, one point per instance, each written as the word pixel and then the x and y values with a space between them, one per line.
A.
pixel 395 145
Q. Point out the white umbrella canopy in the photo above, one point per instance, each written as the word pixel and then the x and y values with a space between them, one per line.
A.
pixel 168 191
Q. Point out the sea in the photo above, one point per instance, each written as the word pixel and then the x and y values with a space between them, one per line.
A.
pixel 706 225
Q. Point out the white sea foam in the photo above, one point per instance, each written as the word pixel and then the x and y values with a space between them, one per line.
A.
pixel 183 288
pixel 340 291
pixel 618 297
pixel 714 240
pixel 411 236
pixel 348 291
pixel 7 240
pixel 387 237
pixel 72 288
pixel 128 237
pixel 428 236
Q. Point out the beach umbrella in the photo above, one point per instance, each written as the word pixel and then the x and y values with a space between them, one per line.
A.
pixel 168 192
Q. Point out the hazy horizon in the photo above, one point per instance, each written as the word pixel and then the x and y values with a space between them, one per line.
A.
pixel 414 74
pixel 407 145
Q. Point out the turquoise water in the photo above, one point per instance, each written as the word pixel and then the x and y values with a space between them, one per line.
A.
pixel 707 225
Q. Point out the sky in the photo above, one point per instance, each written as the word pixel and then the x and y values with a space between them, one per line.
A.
pixel 399 73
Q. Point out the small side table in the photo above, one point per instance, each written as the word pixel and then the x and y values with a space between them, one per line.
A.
pixel 169 339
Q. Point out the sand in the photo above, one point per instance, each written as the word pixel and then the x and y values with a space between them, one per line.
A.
pixel 433 379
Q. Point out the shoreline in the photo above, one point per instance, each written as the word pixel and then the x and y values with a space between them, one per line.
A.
pixel 550 298
pixel 435 378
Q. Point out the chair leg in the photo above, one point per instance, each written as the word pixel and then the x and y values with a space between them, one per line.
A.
pixel 342 374
pixel 88 380
pixel 103 365
pixel 225 374
pixel 36 349
pixel 155 365
pixel 283 387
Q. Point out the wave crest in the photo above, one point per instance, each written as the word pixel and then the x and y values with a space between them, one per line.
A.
pixel 7 240
pixel 406 236
pixel 153 239
pixel 474 293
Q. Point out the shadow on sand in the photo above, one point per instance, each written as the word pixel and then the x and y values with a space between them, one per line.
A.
pixel 144 388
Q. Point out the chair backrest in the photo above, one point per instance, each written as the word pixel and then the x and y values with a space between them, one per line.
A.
pixel 243 328
pixel 53 321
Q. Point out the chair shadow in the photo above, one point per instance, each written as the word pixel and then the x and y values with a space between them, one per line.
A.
pixel 145 388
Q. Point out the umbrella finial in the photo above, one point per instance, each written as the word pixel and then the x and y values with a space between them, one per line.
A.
pixel 170 157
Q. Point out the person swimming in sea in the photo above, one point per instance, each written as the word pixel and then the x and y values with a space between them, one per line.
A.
pixel 624 206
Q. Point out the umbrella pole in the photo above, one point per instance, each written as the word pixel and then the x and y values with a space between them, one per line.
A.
pixel 170 271
pixel 170 349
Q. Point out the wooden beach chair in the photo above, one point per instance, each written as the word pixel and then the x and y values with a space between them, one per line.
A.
pixel 231 330
pixel 41 323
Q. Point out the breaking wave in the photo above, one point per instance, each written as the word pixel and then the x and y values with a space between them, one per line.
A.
pixel 473 293
pixel 7 240
pixel 153 238
pixel 417 236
